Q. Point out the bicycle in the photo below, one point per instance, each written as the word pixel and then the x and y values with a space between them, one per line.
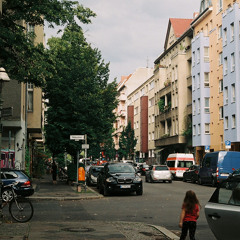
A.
pixel 20 208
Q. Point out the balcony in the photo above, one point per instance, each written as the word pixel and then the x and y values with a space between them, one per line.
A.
pixel 189 81
pixel 170 140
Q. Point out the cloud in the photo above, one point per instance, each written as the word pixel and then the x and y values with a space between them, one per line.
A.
pixel 128 32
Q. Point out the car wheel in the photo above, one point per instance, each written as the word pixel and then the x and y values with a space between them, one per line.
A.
pixel 213 183
pixel 105 191
pixel 184 179
pixel 170 181
pixel 139 192
pixel 7 195
pixel 151 180
pixel 199 181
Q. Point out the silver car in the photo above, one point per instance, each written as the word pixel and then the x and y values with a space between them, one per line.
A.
pixel 223 210
pixel 158 173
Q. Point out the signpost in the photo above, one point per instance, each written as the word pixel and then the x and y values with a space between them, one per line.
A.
pixel 227 144
pixel 207 148
pixel 77 137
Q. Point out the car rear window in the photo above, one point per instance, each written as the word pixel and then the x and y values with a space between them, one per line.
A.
pixel 118 168
pixel 171 163
pixel 159 168
pixel 10 175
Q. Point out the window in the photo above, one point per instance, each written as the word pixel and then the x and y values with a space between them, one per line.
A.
pixel 194 130
pixel 198 80
pixel 232 32
pixel 233 121
pixel 220 113
pixel 151 85
pixel 226 95
pixel 233 93
pixel 220 59
pixel 151 102
pixel 226 122
pixel 136 96
pixel 142 92
pixel 206 54
pixel 232 62
pixel 207 105
pixel 152 135
pixel 198 55
pixel 153 118
pixel 30 97
pixel 220 32
pixel 207 128
pixel 221 85
pixel 199 129
pixel 30 28
pixel 220 5
pixel 225 66
pixel 194 107
pixel 199 106
pixel 193 59
pixel 149 137
pixel 135 110
pixel 224 36
pixel 206 79
pixel 193 83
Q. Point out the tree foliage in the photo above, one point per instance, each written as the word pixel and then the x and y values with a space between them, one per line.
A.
pixel 81 101
pixel 127 142
pixel 23 60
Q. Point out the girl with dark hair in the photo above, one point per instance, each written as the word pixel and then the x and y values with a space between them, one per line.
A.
pixel 189 215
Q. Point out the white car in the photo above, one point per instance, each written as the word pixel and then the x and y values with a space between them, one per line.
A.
pixel 158 173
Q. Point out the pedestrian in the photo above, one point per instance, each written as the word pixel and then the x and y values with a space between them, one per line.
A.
pixel 54 172
pixel 189 215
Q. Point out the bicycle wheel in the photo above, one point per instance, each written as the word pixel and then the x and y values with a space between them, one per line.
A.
pixel 21 209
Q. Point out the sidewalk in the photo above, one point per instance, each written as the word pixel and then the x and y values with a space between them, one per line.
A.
pixel 87 230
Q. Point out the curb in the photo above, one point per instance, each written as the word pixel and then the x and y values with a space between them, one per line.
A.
pixel 166 232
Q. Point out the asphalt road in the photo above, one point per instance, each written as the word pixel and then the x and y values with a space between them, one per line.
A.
pixel 160 205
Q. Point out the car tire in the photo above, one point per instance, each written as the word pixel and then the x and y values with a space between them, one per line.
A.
pixel 151 180
pixel 7 195
pixel 139 192
pixel 170 181
pixel 213 182
pixel 184 179
pixel 199 181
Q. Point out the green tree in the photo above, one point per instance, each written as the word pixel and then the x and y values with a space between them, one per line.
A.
pixel 81 101
pixel 127 142
pixel 23 60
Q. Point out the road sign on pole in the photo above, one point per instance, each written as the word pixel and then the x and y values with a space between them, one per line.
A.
pixel 77 137
pixel 228 144
pixel 207 148
pixel 85 146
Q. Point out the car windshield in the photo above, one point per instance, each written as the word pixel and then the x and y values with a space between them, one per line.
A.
pixel 160 168
pixel 121 168
pixel 185 164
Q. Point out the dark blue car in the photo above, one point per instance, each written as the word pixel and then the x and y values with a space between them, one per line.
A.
pixel 24 187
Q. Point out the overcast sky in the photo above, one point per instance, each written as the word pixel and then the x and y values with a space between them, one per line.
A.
pixel 131 33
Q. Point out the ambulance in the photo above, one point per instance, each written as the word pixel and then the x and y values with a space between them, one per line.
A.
pixel 178 163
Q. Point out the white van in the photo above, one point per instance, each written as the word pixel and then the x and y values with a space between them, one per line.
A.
pixel 178 163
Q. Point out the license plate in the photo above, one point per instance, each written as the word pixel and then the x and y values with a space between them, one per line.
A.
pixel 125 186
pixel 225 174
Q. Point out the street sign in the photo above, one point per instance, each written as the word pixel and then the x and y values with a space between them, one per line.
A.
pixel 207 148
pixel 227 144
pixel 85 146
pixel 76 137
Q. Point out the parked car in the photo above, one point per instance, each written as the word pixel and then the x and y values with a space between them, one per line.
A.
pixel 216 166
pixel 158 173
pixel 119 177
pixel 178 163
pixel 222 210
pixel 24 187
pixel 191 174
pixel 143 168
pixel 92 175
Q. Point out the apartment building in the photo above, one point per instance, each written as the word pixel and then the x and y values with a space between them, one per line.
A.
pixel 23 126
pixel 125 87
pixel 173 91
pixel 141 103
pixel 215 77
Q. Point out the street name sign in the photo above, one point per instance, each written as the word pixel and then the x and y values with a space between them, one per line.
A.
pixel 85 146
pixel 76 137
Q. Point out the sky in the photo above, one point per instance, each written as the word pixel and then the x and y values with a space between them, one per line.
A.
pixel 131 33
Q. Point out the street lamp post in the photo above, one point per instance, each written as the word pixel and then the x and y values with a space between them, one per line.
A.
pixel 3 78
